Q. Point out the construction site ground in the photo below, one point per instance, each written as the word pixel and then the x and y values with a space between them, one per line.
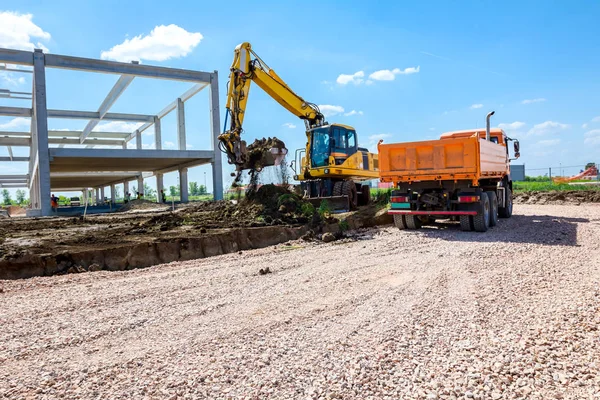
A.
pixel 381 314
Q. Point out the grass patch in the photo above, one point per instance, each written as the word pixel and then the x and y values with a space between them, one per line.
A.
pixel 549 186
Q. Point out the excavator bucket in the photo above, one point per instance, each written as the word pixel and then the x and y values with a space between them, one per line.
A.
pixel 334 204
pixel 264 153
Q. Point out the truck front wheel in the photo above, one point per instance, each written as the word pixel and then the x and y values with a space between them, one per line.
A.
pixel 493 207
pixel 506 212
pixel 481 221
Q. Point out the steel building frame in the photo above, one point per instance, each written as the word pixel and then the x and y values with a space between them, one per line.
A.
pixel 42 158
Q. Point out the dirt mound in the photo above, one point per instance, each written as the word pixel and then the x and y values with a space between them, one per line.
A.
pixel 558 197
pixel 140 205
pixel 16 211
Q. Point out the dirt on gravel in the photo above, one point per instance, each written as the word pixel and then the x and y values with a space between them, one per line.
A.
pixel 558 197
pixel 56 239
pixel 388 314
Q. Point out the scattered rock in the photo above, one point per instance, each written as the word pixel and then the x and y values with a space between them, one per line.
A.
pixel 328 237
pixel 94 267
pixel 264 271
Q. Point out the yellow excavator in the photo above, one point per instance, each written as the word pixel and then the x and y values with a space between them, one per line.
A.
pixel 331 167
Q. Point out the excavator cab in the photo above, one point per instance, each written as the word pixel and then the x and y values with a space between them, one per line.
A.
pixel 332 145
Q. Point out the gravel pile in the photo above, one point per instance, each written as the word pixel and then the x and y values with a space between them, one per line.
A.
pixel 439 313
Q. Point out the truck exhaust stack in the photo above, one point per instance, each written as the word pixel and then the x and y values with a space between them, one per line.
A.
pixel 487 125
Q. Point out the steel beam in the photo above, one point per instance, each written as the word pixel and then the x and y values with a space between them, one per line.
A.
pixel 116 91
pixel 113 67
pixel 17 177
pixel 13 185
pixel 26 142
pixel 15 112
pixel 71 114
pixel 10 56
pixel 15 159
pixel 10 152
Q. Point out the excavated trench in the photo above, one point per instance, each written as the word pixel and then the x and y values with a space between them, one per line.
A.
pixel 146 253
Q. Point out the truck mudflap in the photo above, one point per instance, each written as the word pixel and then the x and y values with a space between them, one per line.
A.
pixel 335 203
pixel 432 212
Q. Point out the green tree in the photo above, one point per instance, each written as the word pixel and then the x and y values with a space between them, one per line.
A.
pixel 148 191
pixel 6 197
pixel 174 191
pixel 117 192
pixel 202 190
pixel 20 196
pixel 194 190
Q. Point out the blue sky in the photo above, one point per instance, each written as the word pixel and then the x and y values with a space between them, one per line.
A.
pixel 409 70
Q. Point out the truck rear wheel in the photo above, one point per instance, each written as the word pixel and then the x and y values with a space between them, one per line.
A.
pixel 481 221
pixel 400 221
pixel 493 207
pixel 466 223
pixel 413 221
pixel 506 212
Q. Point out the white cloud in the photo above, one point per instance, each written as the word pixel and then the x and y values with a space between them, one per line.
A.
pixel 355 78
pixel 369 82
pixel 513 126
pixel 119 126
pixel 548 143
pixel 169 145
pixel 596 119
pixel 289 125
pixel 148 146
pixel 19 123
pixel 548 127
pixel 387 75
pixel 475 106
pixel 353 112
pixel 11 79
pixel 163 43
pixel 17 31
pixel 379 136
pixel 530 101
pixel 374 140
pixel 189 146
pixel 584 126
pixel 329 110
pixel 592 137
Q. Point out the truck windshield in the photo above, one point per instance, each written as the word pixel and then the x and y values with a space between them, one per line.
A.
pixel 320 148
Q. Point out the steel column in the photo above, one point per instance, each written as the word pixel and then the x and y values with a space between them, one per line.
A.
pixel 215 129
pixel 159 187
pixel 183 185
pixel 113 195
pixel 181 125
pixel 40 116
pixel 157 134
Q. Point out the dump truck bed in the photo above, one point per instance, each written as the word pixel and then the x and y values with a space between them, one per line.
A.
pixel 448 159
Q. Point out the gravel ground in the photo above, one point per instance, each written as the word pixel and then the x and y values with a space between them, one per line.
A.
pixel 438 313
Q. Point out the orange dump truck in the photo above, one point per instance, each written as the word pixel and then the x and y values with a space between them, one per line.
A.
pixel 464 175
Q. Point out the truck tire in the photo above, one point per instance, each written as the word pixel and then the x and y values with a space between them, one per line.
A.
pixel 400 221
pixel 337 188
pixel 349 189
pixel 412 221
pixel 506 212
pixel 466 223
pixel 481 221
pixel 493 197
pixel 365 195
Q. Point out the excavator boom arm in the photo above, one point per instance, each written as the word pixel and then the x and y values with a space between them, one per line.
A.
pixel 246 68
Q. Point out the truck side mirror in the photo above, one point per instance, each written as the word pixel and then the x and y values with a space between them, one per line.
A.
pixel 517 148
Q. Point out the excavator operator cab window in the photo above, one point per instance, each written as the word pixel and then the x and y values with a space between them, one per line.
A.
pixel 344 143
pixel 319 156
